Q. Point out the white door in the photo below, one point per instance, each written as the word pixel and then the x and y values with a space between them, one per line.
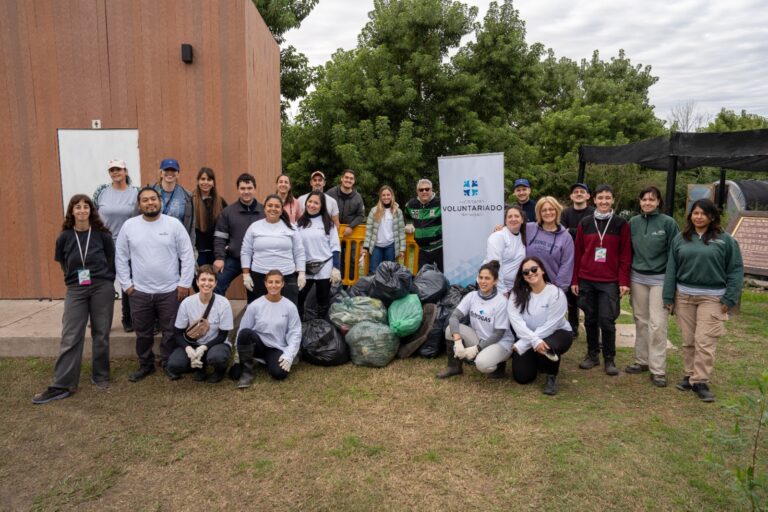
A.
pixel 83 157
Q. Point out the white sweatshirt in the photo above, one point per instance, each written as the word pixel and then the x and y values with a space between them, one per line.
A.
pixel 319 246
pixel 509 251
pixel 148 255
pixel 277 324
pixel 544 315
pixel 267 246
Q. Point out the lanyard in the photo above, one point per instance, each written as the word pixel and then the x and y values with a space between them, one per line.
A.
pixel 170 199
pixel 80 248
pixel 599 234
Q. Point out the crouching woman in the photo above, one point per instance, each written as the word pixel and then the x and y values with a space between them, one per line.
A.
pixel 537 310
pixel 487 339
pixel 270 332
pixel 202 325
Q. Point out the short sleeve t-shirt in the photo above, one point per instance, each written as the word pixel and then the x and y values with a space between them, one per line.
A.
pixel 220 318
pixel 487 315
pixel 116 206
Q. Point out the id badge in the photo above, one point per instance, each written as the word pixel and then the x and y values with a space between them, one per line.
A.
pixel 600 254
pixel 84 276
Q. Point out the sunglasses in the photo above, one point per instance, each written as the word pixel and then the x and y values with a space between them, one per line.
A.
pixel 424 189
pixel 532 270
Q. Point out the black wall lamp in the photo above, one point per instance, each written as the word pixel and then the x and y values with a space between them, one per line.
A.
pixel 186 53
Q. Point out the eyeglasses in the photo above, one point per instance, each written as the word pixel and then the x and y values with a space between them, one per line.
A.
pixel 424 189
pixel 532 270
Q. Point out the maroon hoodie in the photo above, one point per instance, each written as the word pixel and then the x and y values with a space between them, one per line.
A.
pixel 617 243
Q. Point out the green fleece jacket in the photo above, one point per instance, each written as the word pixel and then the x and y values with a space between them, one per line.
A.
pixel 698 265
pixel 652 235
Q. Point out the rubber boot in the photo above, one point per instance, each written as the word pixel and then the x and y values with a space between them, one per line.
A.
pixel 454 365
pixel 245 352
pixel 550 388
pixel 498 373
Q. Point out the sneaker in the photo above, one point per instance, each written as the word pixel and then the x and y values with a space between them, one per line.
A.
pixel 200 376
pixel 499 372
pixel 170 374
pixel 51 394
pixel 551 356
pixel 127 326
pixel 685 384
pixel 101 385
pixel 610 368
pixel 636 368
pixel 142 372
pixel 702 391
pixel 659 381
pixel 589 362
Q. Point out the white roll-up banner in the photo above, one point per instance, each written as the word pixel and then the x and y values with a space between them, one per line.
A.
pixel 472 201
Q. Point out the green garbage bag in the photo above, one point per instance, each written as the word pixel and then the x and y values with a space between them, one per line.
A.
pixel 405 315
pixel 348 311
pixel 372 344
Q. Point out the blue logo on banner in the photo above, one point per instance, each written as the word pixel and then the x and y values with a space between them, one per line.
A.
pixel 471 188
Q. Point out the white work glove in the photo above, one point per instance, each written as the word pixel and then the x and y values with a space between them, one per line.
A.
pixel 196 362
pixel 458 349
pixel 201 350
pixel 409 228
pixel 471 352
pixel 301 281
pixel 284 364
pixel 335 277
pixel 190 353
pixel 248 282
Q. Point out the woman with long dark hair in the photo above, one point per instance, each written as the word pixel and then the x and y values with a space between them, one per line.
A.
pixel 652 234
pixel 703 281
pixel 270 332
pixel 290 204
pixel 537 310
pixel 86 253
pixel 507 246
pixel 117 202
pixel 487 339
pixel 208 205
pixel 273 243
pixel 321 250
pixel 384 231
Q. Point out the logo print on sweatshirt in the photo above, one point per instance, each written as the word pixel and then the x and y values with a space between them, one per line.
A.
pixel 471 188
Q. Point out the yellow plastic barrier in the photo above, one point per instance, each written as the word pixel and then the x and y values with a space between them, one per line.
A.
pixel 353 244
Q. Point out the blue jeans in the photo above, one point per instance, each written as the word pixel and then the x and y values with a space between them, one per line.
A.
pixel 380 254
pixel 230 271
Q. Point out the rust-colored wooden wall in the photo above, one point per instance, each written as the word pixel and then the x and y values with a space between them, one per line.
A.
pixel 66 62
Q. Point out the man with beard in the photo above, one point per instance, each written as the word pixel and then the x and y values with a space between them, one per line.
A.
pixel 155 265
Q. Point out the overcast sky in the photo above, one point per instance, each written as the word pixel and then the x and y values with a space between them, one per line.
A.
pixel 712 52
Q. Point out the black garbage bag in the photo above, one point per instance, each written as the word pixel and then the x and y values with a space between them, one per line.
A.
pixel 361 287
pixel 312 308
pixel 322 345
pixel 434 345
pixel 452 297
pixel 372 344
pixel 391 281
pixel 430 284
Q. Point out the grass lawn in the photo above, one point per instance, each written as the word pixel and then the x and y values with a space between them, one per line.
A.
pixel 351 438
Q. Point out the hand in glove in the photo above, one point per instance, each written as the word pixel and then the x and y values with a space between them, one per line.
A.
pixel 191 354
pixel 196 362
pixel 335 277
pixel 201 350
pixel 248 282
pixel 284 363
pixel 471 352
pixel 301 280
pixel 458 349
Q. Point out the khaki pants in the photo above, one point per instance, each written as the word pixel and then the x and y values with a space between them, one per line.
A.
pixel 701 323
pixel 650 327
pixel 489 358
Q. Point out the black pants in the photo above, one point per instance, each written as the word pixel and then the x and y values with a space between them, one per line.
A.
pixel 261 351
pixel 600 302
pixel 435 257
pixel 573 311
pixel 323 294
pixel 216 356
pixel 527 366
pixel 145 309
pixel 290 290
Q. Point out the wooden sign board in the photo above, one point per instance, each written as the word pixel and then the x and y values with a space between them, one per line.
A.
pixel 750 229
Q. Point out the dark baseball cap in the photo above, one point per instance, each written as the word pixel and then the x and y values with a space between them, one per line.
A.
pixel 580 185
pixel 170 163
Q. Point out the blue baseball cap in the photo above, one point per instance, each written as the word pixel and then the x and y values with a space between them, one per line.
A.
pixel 522 182
pixel 580 185
pixel 170 163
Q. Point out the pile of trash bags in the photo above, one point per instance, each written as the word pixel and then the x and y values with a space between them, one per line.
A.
pixel 383 314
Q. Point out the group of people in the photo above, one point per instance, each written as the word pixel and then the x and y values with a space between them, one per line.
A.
pixel 542 266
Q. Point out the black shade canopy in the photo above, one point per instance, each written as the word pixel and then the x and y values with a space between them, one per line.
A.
pixel 743 151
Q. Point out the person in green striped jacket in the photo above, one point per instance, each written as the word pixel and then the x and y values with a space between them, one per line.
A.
pixel 424 221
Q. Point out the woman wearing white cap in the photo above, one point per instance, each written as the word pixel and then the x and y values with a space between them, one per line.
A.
pixel 116 202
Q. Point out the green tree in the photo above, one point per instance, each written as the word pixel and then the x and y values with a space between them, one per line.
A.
pixel 729 121
pixel 296 75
